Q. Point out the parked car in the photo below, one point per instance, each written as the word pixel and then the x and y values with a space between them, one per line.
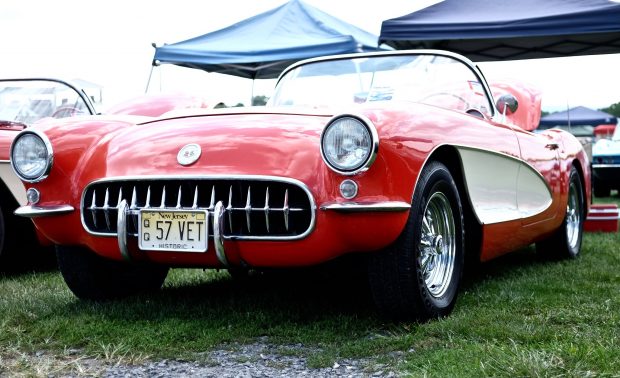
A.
pixel 24 102
pixel 154 105
pixel 401 155
pixel 606 165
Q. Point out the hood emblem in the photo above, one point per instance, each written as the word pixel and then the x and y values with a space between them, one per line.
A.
pixel 188 154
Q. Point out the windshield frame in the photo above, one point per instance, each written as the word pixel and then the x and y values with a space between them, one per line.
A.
pixel 468 63
pixel 80 93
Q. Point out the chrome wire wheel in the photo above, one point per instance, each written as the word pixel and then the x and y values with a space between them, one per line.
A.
pixel 573 216
pixel 437 245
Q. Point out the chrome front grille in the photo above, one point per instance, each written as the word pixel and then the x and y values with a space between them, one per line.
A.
pixel 255 207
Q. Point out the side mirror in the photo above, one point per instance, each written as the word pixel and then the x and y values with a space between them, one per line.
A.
pixel 507 104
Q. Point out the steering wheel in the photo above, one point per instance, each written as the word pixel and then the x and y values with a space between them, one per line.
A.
pixel 66 111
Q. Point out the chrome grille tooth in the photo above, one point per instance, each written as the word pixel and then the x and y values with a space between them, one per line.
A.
pixel 106 199
pixel 134 206
pixel 179 198
pixel 106 207
pixel 248 210
pixel 93 206
pixel 212 201
pixel 266 209
pixel 163 198
pixel 147 205
pixel 134 198
pixel 285 209
pixel 120 197
pixel 94 201
pixel 195 204
pixel 229 209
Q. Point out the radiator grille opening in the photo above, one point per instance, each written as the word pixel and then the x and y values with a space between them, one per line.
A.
pixel 266 208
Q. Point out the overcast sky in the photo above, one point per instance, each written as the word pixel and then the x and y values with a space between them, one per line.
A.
pixel 110 44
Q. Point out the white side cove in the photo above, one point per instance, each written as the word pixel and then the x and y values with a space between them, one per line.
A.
pixel 502 188
pixel 11 180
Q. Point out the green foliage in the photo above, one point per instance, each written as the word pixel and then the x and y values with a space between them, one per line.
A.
pixel 613 109
pixel 259 100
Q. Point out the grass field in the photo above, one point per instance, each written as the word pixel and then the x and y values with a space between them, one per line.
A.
pixel 516 316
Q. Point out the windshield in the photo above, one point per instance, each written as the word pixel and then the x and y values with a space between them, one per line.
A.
pixel 432 79
pixel 28 101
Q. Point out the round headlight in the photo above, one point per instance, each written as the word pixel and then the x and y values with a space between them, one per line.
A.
pixel 31 156
pixel 349 145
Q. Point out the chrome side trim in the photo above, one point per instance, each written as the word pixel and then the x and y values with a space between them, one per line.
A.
pixel 121 226
pixel 501 187
pixel 50 155
pixel 147 178
pixel 361 207
pixel 218 228
pixel 42 211
pixel 374 148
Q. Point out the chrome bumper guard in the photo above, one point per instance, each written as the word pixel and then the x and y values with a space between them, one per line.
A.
pixel 218 228
pixel 31 211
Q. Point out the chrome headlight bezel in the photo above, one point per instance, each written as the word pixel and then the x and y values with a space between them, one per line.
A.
pixel 373 148
pixel 48 159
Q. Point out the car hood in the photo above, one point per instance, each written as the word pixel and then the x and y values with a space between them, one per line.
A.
pixel 246 143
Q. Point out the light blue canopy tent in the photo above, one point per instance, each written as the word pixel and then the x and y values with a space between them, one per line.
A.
pixel 260 47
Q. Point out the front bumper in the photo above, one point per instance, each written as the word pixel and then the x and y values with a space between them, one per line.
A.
pixel 341 227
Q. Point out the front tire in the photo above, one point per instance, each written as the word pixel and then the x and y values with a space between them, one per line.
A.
pixel 566 241
pixel 92 277
pixel 418 276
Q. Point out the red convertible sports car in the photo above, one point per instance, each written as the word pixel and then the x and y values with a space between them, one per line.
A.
pixel 404 156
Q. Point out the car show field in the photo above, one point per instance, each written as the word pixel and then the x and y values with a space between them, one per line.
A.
pixel 518 315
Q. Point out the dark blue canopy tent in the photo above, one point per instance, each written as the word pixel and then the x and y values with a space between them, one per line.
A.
pixel 260 47
pixel 485 30
pixel 579 115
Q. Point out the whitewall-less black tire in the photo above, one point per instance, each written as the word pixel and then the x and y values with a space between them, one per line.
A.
pixel 566 241
pixel 92 277
pixel 418 276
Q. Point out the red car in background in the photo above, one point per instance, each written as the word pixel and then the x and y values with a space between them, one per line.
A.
pixel 404 156
pixel 25 102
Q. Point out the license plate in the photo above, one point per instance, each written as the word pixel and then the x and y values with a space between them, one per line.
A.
pixel 173 230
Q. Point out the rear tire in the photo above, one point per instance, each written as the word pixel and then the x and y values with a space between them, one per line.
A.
pixel 418 276
pixel 566 241
pixel 92 277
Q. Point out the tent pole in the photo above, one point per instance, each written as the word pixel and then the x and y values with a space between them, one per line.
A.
pixel 146 90
pixel 252 94
pixel 568 116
